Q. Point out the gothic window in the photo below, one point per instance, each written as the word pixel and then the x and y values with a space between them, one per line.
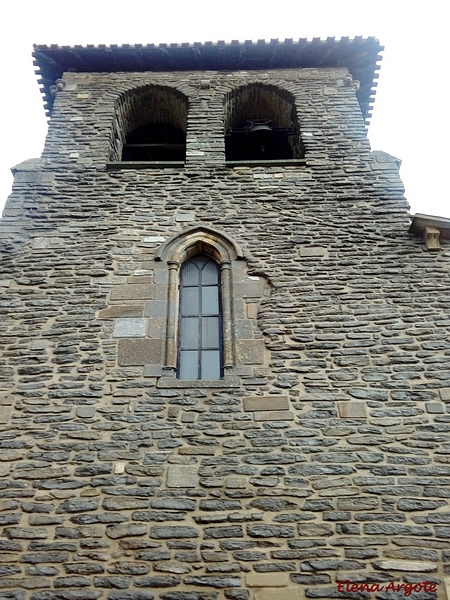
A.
pixel 199 327
pixel 200 322
pixel 200 332
pixel 261 125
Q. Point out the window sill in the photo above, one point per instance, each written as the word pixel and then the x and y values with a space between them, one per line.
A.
pixel 172 382
pixel 141 164
pixel 284 162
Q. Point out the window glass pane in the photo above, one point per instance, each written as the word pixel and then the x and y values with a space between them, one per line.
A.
pixel 188 366
pixel 210 273
pixel 189 274
pixel 210 300
pixel 190 301
pixel 210 332
pixel 189 333
pixel 210 364
pixel 200 261
pixel 200 352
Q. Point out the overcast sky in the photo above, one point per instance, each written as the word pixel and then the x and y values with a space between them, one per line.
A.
pixel 410 117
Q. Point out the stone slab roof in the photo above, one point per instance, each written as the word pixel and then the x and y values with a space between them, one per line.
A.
pixel 361 56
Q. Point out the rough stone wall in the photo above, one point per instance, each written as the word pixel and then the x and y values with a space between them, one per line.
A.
pixel 324 460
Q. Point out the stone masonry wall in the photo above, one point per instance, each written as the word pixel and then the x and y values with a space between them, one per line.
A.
pixel 325 459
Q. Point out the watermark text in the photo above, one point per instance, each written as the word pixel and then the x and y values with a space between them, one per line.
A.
pixel 392 586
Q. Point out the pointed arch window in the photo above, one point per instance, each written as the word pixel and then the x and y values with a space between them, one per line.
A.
pixel 218 258
pixel 200 351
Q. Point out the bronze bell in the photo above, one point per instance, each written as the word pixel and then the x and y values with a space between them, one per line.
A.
pixel 260 128
pixel 261 139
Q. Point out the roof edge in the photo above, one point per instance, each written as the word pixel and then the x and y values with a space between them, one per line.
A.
pixel 360 55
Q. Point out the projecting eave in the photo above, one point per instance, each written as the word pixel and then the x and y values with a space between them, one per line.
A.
pixel 431 228
pixel 361 56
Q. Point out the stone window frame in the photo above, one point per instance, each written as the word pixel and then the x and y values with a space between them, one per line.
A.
pixel 174 252
pixel 144 311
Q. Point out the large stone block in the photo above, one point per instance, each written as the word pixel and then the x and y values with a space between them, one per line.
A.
pixel 133 291
pixel 124 310
pixel 130 327
pixel 140 352
pixel 267 580
pixel 250 352
pixel 182 476
pixel 352 410
pixel 274 415
pixel 253 403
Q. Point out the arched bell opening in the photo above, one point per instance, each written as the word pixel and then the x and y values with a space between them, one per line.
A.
pixel 261 124
pixel 151 125
pixel 155 142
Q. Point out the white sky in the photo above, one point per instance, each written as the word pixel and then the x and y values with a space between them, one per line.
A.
pixel 409 119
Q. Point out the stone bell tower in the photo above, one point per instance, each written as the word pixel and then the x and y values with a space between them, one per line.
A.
pixel 225 349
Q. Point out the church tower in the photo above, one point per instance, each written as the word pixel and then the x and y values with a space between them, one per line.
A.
pixel 225 348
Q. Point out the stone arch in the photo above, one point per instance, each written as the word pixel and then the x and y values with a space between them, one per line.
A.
pixel 150 124
pixel 196 240
pixel 259 115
